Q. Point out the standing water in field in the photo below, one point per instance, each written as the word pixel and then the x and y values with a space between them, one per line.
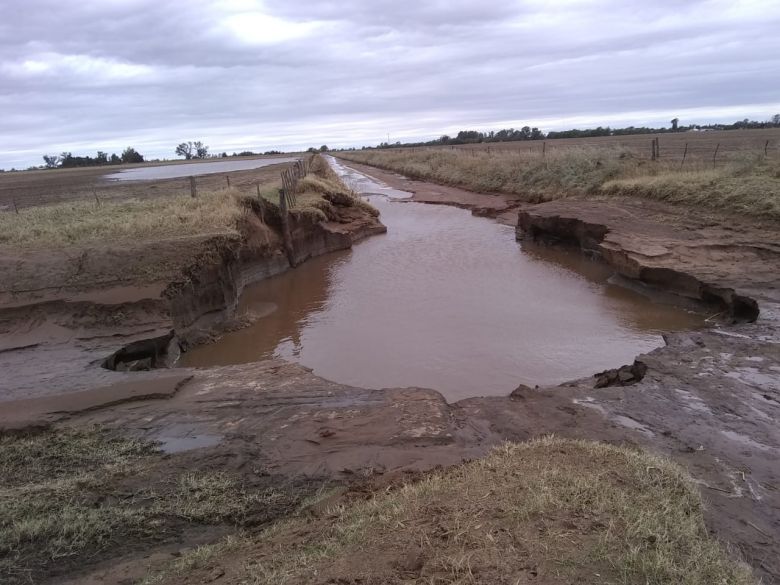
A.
pixel 447 301
pixel 174 171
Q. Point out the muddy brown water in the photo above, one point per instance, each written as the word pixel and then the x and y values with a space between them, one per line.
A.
pixel 449 301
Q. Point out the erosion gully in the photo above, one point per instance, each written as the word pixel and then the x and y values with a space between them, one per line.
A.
pixel 449 301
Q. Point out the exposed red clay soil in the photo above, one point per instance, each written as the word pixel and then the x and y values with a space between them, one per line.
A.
pixel 709 399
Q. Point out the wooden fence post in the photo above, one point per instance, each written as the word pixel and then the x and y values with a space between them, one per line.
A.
pixel 16 209
pixel 544 149
pixel 685 153
pixel 715 154
pixel 652 149
pixel 286 235
pixel 193 188
pixel 766 147
pixel 657 148
pixel 227 178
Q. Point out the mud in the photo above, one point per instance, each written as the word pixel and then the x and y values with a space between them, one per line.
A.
pixel 710 399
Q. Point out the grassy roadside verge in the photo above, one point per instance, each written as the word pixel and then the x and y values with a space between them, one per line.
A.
pixel 750 185
pixel 89 223
pixel 69 498
pixel 550 511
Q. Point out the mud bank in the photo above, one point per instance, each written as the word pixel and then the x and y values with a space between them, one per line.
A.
pixel 66 313
pixel 207 297
pixel 648 265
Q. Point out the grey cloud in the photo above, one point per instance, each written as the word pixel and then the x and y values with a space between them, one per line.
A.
pixel 101 75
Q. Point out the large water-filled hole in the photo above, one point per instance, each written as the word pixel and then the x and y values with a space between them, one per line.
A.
pixel 449 301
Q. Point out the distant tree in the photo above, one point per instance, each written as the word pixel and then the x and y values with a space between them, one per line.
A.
pixel 185 150
pixel 201 150
pixel 776 120
pixel 312 149
pixel 223 155
pixel 191 150
pixel 101 158
pixel 324 148
pixel 675 121
pixel 115 160
pixel 51 160
pixel 131 155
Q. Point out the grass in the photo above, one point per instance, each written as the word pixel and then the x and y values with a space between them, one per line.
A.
pixel 67 497
pixel 749 185
pixel 87 222
pixel 321 192
pixel 555 510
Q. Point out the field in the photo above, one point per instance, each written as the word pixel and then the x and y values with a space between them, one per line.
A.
pixel 744 179
pixel 43 187
pixel 701 145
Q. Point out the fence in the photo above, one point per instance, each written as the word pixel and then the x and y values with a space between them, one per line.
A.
pixel 23 189
pixel 715 147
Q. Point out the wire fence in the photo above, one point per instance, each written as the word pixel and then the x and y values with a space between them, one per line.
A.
pixel 684 147
pixel 20 190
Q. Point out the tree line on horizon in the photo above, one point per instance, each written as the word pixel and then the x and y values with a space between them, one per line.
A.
pixel 528 133
pixel 196 149
pixel 66 160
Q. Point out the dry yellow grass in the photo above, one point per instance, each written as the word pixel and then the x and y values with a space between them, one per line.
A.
pixel 749 185
pixel 552 510
pixel 85 222
pixel 322 189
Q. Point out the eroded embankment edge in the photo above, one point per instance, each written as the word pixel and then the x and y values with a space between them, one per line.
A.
pixel 590 238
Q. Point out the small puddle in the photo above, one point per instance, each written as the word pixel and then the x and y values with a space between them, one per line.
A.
pixel 176 171
pixel 187 443
pixel 449 301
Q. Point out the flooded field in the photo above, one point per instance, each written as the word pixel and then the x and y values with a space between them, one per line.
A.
pixel 176 171
pixel 447 301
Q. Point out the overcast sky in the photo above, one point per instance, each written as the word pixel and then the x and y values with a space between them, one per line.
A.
pixel 280 74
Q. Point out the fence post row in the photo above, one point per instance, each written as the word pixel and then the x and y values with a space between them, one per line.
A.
pixel 685 153
pixel 288 199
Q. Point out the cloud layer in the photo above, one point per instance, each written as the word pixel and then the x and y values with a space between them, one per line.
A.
pixel 274 74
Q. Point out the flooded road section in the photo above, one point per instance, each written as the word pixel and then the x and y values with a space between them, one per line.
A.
pixel 176 171
pixel 447 301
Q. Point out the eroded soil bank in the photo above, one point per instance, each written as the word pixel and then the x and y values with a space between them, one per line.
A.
pixel 710 399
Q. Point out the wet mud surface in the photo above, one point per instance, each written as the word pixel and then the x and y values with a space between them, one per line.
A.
pixel 708 398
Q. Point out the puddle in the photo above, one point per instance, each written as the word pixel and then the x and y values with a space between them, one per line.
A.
pixel 188 443
pixel 176 171
pixel 448 301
